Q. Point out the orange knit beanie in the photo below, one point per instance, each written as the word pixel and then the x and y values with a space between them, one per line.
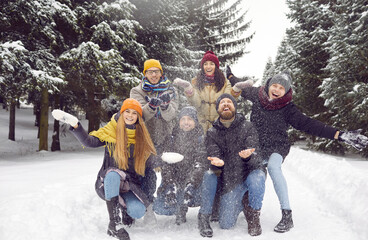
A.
pixel 131 103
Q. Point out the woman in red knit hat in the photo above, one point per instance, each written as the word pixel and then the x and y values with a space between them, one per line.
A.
pixel 129 152
pixel 205 88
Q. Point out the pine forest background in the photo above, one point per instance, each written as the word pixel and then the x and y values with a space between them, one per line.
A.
pixel 85 56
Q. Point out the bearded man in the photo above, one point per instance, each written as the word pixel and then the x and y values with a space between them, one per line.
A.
pixel 236 166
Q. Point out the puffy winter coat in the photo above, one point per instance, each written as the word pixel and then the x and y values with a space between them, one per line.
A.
pixel 159 127
pixel 132 180
pixel 226 143
pixel 191 168
pixel 272 125
pixel 205 102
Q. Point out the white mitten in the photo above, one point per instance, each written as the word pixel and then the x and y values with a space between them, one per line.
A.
pixel 182 83
pixel 172 157
pixel 242 85
pixel 64 117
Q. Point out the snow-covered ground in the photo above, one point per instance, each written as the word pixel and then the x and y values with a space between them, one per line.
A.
pixel 50 195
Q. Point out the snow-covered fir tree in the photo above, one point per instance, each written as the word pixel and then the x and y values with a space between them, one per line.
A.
pixel 345 90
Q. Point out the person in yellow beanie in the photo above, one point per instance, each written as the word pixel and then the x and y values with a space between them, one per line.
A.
pixel 159 106
pixel 159 101
pixel 129 155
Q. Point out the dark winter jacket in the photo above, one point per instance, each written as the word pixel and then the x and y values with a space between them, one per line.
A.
pixel 272 125
pixel 191 168
pixel 133 180
pixel 226 143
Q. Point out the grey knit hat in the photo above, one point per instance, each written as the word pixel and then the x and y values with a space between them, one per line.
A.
pixel 283 79
pixel 189 111
pixel 225 95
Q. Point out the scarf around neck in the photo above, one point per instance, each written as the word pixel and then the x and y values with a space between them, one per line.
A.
pixel 161 86
pixel 275 103
pixel 107 134
pixel 209 79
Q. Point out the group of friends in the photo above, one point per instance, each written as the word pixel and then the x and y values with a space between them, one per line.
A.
pixel 223 158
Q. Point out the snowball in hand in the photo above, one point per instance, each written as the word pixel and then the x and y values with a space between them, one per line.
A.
pixel 64 117
pixel 172 157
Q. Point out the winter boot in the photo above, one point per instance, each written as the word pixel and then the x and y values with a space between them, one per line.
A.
pixel 286 222
pixel 204 225
pixel 126 219
pixel 254 225
pixel 181 215
pixel 113 210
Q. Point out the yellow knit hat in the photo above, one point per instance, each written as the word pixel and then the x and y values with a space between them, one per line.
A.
pixel 131 103
pixel 152 63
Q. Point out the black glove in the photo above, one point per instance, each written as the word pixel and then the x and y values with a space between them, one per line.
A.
pixel 228 72
pixel 170 196
pixel 153 102
pixel 354 138
pixel 189 194
pixel 166 98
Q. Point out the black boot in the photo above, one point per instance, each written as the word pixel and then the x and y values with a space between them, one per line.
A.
pixel 181 216
pixel 254 224
pixel 286 222
pixel 114 211
pixel 126 219
pixel 204 225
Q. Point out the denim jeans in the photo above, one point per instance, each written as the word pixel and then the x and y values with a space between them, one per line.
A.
pixel 159 206
pixel 231 202
pixel 135 208
pixel 278 179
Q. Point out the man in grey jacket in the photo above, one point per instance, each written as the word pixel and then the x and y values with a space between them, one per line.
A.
pixel 160 105
pixel 159 102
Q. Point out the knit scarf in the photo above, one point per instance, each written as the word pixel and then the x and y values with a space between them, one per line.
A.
pixel 275 103
pixel 107 134
pixel 209 79
pixel 161 86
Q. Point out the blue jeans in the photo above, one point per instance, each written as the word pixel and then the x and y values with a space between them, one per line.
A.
pixel 135 208
pixel 278 179
pixel 231 202
pixel 159 206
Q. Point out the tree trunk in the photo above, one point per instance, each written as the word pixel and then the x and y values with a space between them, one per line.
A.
pixel 12 121
pixel 92 113
pixel 44 120
pixel 55 145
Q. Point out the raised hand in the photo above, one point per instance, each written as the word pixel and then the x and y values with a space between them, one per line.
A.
pixel 216 161
pixel 246 153
pixel 242 85
pixel 182 83
pixel 65 117
pixel 166 98
pixel 153 102
pixel 354 138
pixel 228 72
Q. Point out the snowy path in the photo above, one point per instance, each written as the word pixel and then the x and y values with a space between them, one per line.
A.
pixel 51 196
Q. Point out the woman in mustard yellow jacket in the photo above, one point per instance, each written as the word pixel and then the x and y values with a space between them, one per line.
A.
pixel 205 88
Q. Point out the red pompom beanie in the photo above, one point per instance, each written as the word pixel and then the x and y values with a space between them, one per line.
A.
pixel 131 103
pixel 210 56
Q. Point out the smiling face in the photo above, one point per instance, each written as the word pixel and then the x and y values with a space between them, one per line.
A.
pixel 209 68
pixel 186 123
pixel 130 116
pixel 276 91
pixel 226 109
pixel 153 75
